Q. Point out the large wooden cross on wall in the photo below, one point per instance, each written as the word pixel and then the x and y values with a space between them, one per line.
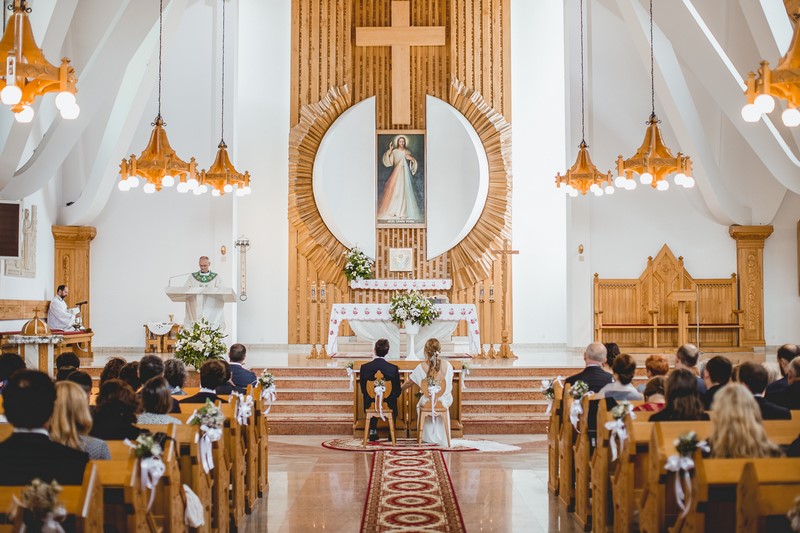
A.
pixel 401 36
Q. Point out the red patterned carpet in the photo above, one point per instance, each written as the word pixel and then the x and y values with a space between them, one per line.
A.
pixel 357 445
pixel 411 490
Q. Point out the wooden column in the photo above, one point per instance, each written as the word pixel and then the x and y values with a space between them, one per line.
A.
pixel 750 269
pixel 71 264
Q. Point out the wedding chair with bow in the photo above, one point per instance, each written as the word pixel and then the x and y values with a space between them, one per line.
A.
pixel 379 408
pixel 433 408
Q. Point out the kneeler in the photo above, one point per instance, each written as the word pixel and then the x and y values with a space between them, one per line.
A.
pixel 373 411
pixel 438 410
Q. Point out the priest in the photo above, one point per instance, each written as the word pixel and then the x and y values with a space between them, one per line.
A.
pixel 200 306
pixel 58 315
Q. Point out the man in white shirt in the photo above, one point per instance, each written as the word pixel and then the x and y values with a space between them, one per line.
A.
pixel 58 315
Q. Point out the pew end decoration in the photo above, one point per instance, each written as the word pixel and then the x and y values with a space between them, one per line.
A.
pixel 412 307
pixel 682 464
pixel 350 374
pixel 211 421
pixel 199 343
pixel 39 507
pixel 577 392
pixel 269 391
pixel 149 451
pixel 618 433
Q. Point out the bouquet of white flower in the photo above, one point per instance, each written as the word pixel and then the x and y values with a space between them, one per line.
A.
pixel 414 307
pixel 199 343
pixel 358 265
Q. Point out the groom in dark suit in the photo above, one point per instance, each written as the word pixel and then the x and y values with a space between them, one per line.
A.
pixel 390 373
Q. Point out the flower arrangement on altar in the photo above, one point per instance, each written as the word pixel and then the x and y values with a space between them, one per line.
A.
pixel 40 506
pixel 358 265
pixel 413 307
pixel 199 343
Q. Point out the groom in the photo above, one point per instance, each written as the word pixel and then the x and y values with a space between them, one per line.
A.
pixel 390 373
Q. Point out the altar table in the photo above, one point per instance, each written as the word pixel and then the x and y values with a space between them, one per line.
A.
pixel 373 322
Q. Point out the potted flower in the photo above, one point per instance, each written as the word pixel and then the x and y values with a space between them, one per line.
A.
pixel 412 310
pixel 358 265
pixel 199 343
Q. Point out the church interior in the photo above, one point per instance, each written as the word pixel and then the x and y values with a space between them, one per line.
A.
pixel 500 189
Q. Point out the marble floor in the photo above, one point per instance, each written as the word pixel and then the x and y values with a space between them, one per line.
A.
pixel 316 489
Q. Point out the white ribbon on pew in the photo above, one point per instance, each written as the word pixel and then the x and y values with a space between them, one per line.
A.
pixel 50 522
pixel 546 383
pixel 209 436
pixel 465 373
pixel 682 467
pixel 351 375
pixel 576 410
pixel 152 469
pixel 432 392
pixel 379 390
pixel 618 433
pixel 270 394
pixel 244 408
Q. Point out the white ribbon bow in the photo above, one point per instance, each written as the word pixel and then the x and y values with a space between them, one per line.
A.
pixel 270 394
pixel 432 392
pixel 576 410
pixel 50 522
pixel 209 436
pixel 152 469
pixel 244 408
pixel 379 390
pixel 618 432
pixel 682 466
pixel 351 375
pixel 465 372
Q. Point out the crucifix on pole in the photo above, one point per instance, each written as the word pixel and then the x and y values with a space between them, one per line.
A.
pixel 505 350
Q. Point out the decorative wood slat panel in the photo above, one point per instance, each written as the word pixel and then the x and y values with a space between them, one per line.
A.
pixel 22 309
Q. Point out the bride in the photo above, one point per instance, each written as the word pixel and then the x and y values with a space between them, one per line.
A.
pixel 433 366
pixel 399 202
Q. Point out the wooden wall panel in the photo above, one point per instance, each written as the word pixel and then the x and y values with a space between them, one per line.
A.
pixel 330 73
pixel 71 264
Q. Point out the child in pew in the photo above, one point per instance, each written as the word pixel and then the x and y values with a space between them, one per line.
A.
pixel 683 399
pixel 175 373
pixel 738 428
pixel 72 421
pixel 654 393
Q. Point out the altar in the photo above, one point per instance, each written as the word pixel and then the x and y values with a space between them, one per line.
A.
pixel 373 322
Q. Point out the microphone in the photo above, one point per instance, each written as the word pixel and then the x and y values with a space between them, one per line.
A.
pixel 82 303
pixel 169 280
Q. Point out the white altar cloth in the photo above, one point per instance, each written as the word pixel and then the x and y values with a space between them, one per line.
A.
pixel 402 284
pixel 373 322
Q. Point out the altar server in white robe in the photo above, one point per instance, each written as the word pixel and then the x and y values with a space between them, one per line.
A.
pixel 58 315
pixel 433 366
pixel 200 306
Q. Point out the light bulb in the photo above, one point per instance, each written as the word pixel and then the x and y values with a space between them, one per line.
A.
pixel 215 192
pixel 240 192
pixel 765 103
pixel 791 117
pixel 11 95
pixel 750 113
pixel 609 189
pixel 662 185
pixel 192 183
pixel 573 193
pixel 247 189
pixel 202 188
pixel 149 188
pixel 197 192
pixel 167 181
pixel 24 116
pixel 65 99
pixel 124 186
pixel 182 187
pixel 227 188
pixel 619 181
pixel 598 192
pixel 679 177
pixel 630 184
pixel 133 181
pixel 71 112
pixel 689 182
pixel 646 178
pixel 567 188
pixel 594 188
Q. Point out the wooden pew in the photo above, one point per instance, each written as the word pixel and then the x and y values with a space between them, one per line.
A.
pixel 262 436
pixel 191 470
pixel 628 473
pixel 233 435
pixel 83 503
pixel 566 442
pixel 582 460
pixel 124 499
pixel 765 492
pixel 169 506
pixel 251 458
pixel 553 435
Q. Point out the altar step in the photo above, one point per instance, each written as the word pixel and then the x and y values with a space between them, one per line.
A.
pixel 359 347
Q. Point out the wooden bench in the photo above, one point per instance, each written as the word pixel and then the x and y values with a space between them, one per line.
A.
pixel 169 506
pixel 233 434
pixel 124 498
pixel 766 492
pixel 262 438
pixel 627 478
pixel 553 436
pixel 191 470
pixel 566 455
pixel 582 459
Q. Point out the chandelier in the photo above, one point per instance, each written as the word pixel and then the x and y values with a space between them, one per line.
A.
pixel 158 165
pixel 583 176
pixel 222 177
pixel 653 161
pixel 28 74
pixel 783 82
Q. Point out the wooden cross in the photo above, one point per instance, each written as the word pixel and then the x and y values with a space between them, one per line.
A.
pixel 505 349
pixel 401 36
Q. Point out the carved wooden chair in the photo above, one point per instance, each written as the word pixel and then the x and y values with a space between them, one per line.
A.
pixel 152 342
pixel 437 410
pixel 374 412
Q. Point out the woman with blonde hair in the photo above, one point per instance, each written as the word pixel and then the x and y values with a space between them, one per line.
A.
pixel 72 421
pixel 738 429
pixel 442 371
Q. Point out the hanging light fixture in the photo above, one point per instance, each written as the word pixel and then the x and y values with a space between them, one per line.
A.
pixel 583 176
pixel 653 161
pixel 222 177
pixel 158 166
pixel 28 74
pixel 783 82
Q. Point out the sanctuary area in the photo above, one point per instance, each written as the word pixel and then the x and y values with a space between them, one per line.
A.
pixel 400 265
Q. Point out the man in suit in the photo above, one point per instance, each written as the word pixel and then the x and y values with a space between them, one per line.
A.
pixel 754 377
pixel 790 396
pixel 786 353
pixel 716 375
pixel 241 376
pixel 212 375
pixel 28 453
pixel 390 373
pixel 687 357
pixel 593 375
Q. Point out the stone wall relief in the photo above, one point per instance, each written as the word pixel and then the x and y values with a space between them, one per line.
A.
pixel 25 266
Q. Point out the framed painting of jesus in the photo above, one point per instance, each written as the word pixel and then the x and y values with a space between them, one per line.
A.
pixel 400 173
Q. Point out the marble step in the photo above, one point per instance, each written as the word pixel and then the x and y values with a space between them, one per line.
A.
pixel 297 394
pixel 503 406
pixel 331 383
pixel 505 424
pixel 487 394
pixel 310 424
pixel 343 407
pixel 503 382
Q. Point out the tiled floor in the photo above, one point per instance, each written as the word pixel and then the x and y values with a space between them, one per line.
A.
pixel 316 489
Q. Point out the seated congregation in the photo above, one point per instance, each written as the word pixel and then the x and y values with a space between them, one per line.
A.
pixel 101 444
pixel 704 446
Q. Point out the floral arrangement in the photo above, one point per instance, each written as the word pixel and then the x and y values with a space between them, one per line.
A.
pixel 152 468
pixel 549 389
pixel 40 505
pixel 358 265
pixel 621 410
pixel 579 389
pixel 412 306
pixel 687 443
pixel 208 417
pixel 145 446
pixel 266 379
pixel 379 382
pixel 431 381
pixel 349 366
pixel 199 343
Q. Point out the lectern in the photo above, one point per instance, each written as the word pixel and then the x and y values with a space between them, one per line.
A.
pixel 682 297
pixel 212 302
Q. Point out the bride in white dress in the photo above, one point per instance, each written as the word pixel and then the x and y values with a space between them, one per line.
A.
pixel 433 366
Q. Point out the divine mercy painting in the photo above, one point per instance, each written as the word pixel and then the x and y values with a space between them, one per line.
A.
pixel 401 179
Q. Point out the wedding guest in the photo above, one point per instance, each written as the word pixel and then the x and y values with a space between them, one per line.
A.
pixel 754 377
pixel 115 413
pixel 621 388
pixel 433 367
pixel 687 358
pixel 227 387
pixel 241 376
pixel 654 393
pixel 789 397
pixel 130 375
pixel 683 400
pixel 717 374
pixel 150 366
pixel 72 421
pixel 9 363
pixel 83 379
pixel 390 373
pixel 654 365
pixel 773 372
pixel 738 429
pixel 175 373
pixel 593 375
pixel 212 375
pixel 29 453
pixel 612 351
pixel 67 360
pixel 112 368
pixel 785 355
pixel 156 403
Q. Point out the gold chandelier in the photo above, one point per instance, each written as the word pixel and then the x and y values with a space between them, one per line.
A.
pixel 28 74
pixel 783 82
pixel 653 161
pixel 222 177
pixel 158 165
pixel 583 176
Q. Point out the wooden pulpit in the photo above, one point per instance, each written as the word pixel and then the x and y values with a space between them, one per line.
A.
pixel 682 297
